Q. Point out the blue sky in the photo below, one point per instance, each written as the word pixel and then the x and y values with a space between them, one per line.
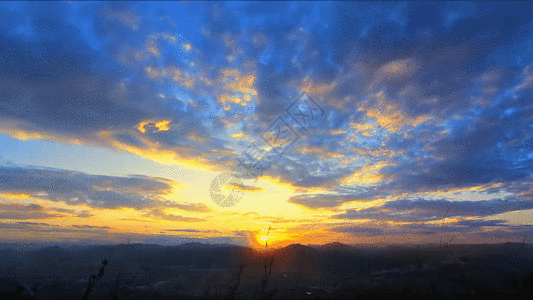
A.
pixel 116 117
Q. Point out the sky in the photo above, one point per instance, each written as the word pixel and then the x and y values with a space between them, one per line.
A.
pixel 370 123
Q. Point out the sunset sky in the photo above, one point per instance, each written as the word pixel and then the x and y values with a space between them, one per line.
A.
pixel 115 118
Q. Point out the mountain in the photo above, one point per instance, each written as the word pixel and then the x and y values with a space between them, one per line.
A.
pixel 298 259
pixel 197 245
pixel 335 246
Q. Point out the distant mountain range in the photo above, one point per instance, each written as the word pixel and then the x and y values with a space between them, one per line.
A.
pixel 62 271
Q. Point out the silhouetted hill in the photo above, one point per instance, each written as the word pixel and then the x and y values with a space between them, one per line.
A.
pixel 197 245
pixel 336 246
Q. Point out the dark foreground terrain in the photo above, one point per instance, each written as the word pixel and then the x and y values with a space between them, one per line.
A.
pixel 333 271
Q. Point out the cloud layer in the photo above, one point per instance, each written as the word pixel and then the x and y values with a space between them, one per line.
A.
pixel 424 104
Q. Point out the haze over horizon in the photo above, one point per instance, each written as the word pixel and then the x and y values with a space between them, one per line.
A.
pixel 116 119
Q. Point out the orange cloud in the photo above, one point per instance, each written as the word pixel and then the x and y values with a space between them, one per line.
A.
pixel 160 125
pixel 320 152
pixel 24 131
pixel 177 156
pixel 235 82
pixel 368 174
pixel 177 74
pixel 223 99
pixel 311 88
pixel 239 135
pixel 376 152
pixel 391 117
pixel 337 131
pixel 14 196
pixel 397 68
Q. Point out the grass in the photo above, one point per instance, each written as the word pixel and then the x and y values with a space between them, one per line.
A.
pixel 93 279
pixel 267 266
pixel 234 288
pixel 267 273
pixel 114 293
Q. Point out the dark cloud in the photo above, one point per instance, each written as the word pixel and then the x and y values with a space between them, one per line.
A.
pixel 75 188
pixel 23 212
pixel 56 83
pixel 72 212
pixel 366 231
pixel 317 201
pixel 450 58
pixel 428 210
pixel 52 83
pixel 24 225
pixel 482 223
pixel 45 227
pixel 473 154
pixel 447 233
pixel 91 227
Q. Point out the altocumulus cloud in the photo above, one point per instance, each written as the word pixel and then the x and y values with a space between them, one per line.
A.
pixel 418 97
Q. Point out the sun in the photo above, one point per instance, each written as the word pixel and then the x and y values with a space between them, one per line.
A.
pixel 263 239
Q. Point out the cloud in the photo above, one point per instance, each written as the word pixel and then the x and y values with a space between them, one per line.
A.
pixel 193 207
pixel 367 231
pixel 464 229
pixel 193 230
pixel 162 215
pixel 317 201
pixel 412 73
pixel 22 212
pixel 430 210
pixel 57 86
pixel 24 225
pixel 46 227
pixel 76 188
pixel 91 227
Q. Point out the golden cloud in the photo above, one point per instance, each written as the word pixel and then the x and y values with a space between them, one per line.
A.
pixel 400 67
pixel 381 152
pixel 337 131
pixel 177 156
pixel 309 87
pixel 23 131
pixel 162 125
pixel 390 116
pixel 320 152
pixel 177 74
pixel 368 174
